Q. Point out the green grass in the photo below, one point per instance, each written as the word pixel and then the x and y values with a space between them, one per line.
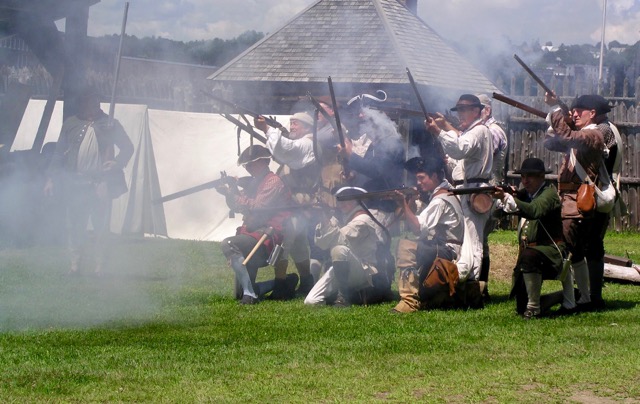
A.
pixel 162 327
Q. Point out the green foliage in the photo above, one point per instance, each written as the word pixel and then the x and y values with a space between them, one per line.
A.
pixel 161 325
pixel 214 52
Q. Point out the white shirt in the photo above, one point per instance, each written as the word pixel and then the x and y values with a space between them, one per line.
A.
pixel 472 151
pixel 296 153
pixel 442 220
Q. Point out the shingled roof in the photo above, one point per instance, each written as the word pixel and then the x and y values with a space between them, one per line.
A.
pixel 358 42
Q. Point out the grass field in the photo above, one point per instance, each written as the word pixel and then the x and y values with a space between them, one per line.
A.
pixel 162 326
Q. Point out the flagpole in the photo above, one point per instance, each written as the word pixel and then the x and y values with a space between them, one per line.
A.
pixel 604 22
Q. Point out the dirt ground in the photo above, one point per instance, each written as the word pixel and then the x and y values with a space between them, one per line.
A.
pixel 503 259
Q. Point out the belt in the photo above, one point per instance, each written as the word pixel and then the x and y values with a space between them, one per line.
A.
pixel 455 242
pixel 568 186
pixel 543 243
pixel 468 180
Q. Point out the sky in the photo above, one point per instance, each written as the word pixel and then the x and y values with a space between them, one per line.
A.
pixel 558 21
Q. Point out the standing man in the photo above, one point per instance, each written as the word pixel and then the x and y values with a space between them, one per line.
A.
pixel 542 249
pixel 261 204
pixel 85 169
pixel 352 244
pixel 470 150
pixel 584 146
pixel 499 138
pixel 440 228
pixel 299 171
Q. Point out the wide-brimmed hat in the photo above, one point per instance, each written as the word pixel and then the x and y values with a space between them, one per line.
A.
pixel 253 153
pixel 532 165
pixel 470 100
pixel 592 101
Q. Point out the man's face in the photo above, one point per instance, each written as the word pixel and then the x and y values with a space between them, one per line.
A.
pixel 328 109
pixel 468 113
pixel 532 182
pixel 257 166
pixel 346 206
pixel 427 183
pixel 298 129
pixel 583 117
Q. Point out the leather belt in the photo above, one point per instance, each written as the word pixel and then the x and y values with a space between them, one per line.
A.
pixel 468 180
pixel 544 243
pixel 455 242
pixel 568 186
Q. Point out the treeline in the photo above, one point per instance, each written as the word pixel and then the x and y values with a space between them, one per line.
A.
pixel 214 52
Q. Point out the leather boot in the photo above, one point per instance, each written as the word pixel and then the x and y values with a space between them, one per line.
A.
pixel 283 288
pixel 341 272
pixel 306 279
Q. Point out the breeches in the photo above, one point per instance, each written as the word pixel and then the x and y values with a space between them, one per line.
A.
pixel 295 243
pixel 584 237
pixel 531 260
pixel 242 244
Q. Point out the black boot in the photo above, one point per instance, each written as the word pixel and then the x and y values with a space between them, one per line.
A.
pixel 284 289
pixel 341 271
pixel 306 284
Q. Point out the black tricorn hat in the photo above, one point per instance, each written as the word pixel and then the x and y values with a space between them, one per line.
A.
pixel 532 165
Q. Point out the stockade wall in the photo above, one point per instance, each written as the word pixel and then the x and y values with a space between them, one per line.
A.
pixel 526 134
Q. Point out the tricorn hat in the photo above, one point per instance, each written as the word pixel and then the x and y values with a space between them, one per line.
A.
pixel 253 153
pixel 532 165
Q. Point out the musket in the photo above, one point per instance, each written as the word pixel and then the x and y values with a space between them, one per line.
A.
pixel 322 111
pixel 270 121
pixel 519 105
pixel 245 128
pixel 336 115
pixel 483 190
pixel 540 82
pixel 379 195
pixel 225 179
pixel 427 117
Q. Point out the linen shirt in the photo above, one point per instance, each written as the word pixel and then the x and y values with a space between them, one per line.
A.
pixel 442 220
pixel 296 153
pixel 472 151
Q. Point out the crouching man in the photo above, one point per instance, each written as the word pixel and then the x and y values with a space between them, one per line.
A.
pixel 261 203
pixel 353 277
pixel 541 249
pixel 440 228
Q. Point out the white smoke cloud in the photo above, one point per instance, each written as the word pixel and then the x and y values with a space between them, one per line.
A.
pixel 455 20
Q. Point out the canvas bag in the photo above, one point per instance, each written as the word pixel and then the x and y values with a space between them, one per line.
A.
pixel 605 196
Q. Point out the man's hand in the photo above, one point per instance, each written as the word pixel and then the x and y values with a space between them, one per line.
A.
pixel 260 123
pixel 551 99
pixel 345 152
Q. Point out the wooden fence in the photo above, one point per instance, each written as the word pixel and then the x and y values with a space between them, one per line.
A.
pixel 526 134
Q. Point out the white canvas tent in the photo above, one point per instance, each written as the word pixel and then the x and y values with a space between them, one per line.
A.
pixel 173 151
